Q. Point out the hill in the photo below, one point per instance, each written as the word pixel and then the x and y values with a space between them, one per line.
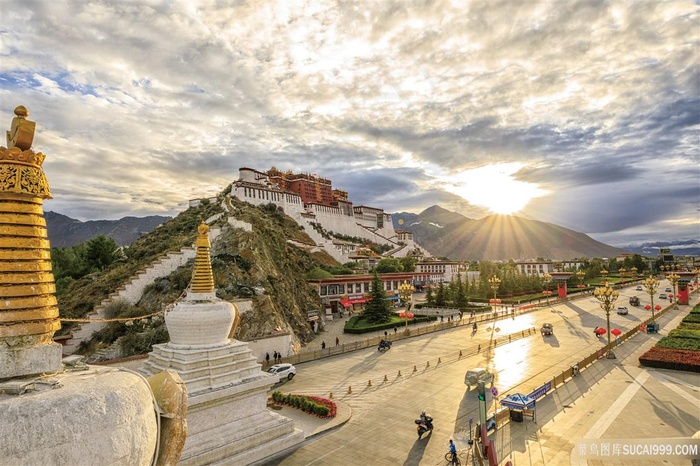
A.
pixel 67 232
pixel 497 237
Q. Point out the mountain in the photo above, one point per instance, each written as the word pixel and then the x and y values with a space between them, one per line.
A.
pixel 689 247
pixel 497 237
pixel 67 232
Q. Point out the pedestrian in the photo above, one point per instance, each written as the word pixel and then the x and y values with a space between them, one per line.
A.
pixel 267 358
pixel 385 334
pixel 442 318
pixel 337 341
pixel 395 329
pixel 274 356
pixel 323 345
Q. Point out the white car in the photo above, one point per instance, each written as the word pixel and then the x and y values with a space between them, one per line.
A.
pixel 663 296
pixel 474 376
pixel 639 288
pixel 622 310
pixel 283 371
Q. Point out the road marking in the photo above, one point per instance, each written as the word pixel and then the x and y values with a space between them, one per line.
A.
pixel 618 405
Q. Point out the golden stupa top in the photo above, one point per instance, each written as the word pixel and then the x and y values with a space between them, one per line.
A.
pixel 20 166
pixel 202 276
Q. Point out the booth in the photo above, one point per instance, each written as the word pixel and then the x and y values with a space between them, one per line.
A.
pixel 520 406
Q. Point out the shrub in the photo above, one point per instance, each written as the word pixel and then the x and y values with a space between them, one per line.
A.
pixel 309 404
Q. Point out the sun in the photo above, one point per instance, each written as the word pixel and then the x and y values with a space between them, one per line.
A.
pixel 494 187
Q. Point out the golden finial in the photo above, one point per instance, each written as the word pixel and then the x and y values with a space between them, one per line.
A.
pixel 202 277
pixel 21 132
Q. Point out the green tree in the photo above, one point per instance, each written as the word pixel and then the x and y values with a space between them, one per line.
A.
pixel 461 294
pixel 388 265
pixel 377 310
pixel 102 251
pixel 429 296
pixel 408 263
pixel 69 262
pixel 440 296
pixel 317 273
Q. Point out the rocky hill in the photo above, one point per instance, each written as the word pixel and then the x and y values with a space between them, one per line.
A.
pixel 266 265
pixel 67 232
pixel 497 237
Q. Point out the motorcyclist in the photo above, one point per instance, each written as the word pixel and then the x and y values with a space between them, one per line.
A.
pixel 427 420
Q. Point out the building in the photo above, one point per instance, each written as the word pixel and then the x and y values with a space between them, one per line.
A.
pixel 341 293
pixel 439 271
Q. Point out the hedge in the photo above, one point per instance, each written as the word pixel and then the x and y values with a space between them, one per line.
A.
pixel 356 325
pixel 320 407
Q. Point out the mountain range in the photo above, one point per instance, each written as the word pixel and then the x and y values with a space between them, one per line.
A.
pixel 497 237
pixel 64 231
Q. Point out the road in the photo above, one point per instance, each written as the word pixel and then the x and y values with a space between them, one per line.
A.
pixel 381 430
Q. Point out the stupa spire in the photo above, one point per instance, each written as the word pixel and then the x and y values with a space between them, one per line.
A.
pixel 28 308
pixel 202 277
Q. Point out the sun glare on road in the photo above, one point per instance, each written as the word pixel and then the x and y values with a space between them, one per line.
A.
pixel 494 187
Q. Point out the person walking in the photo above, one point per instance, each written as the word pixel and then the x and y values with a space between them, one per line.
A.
pixel 274 357
pixel 337 341
pixel 395 329
pixel 385 334
pixel 323 345
pixel 267 358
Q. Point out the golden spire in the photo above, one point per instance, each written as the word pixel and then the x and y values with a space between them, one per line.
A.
pixel 28 310
pixel 202 277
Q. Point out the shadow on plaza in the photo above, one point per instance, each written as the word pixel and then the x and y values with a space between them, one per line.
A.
pixel 415 455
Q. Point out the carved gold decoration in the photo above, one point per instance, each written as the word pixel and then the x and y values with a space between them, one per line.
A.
pixel 202 277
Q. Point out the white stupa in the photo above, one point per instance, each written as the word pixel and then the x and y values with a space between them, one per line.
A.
pixel 227 419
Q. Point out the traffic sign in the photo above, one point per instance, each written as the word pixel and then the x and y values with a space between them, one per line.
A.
pixel 494 391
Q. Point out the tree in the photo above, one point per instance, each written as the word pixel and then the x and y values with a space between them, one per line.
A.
pixel 429 296
pixel 440 298
pixel 408 263
pixel 388 265
pixel 377 310
pixel 102 252
pixel 461 294
pixel 69 262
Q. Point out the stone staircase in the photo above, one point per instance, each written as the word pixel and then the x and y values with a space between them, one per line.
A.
pixel 322 242
pixel 131 292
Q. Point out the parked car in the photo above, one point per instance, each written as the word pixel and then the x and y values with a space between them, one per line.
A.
pixel 547 329
pixel 639 288
pixel 663 296
pixel 634 301
pixel 622 310
pixel 474 376
pixel 668 289
pixel 283 371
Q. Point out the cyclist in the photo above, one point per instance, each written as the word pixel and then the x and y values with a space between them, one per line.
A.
pixel 453 450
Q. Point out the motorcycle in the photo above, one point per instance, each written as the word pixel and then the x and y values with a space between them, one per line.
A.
pixel 384 345
pixel 425 424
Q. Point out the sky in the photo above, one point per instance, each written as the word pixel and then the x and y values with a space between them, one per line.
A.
pixel 585 114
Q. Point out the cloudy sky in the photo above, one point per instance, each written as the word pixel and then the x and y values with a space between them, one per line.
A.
pixel 585 114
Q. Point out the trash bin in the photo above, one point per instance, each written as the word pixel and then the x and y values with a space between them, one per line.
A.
pixel 516 416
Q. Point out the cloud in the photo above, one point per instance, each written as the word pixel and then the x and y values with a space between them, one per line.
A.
pixel 143 105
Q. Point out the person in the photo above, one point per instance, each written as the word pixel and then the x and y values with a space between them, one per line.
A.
pixel 385 334
pixel 323 345
pixel 267 358
pixel 474 326
pixel 395 329
pixel 453 450
pixel 595 330
pixel 574 370
pixel 274 356
pixel 337 341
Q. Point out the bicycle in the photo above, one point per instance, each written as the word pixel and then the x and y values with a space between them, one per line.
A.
pixel 452 458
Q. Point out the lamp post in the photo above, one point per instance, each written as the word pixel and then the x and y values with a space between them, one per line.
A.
pixel 607 296
pixel 494 283
pixel 406 293
pixel 547 278
pixel 604 274
pixel 634 273
pixel 651 284
pixel 580 274
pixel 673 278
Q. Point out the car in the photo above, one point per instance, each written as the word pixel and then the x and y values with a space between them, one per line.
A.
pixel 622 310
pixel 668 290
pixel 476 375
pixel 639 288
pixel 283 371
pixel 547 329
pixel 663 296
pixel 634 301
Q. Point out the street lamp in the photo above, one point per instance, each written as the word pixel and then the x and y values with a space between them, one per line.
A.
pixel 604 274
pixel 651 284
pixel 580 274
pixel 673 278
pixel 494 283
pixel 634 273
pixel 607 296
pixel 547 278
pixel 406 293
